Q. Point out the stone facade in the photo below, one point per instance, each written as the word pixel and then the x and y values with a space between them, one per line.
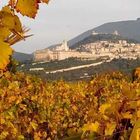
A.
pixel 95 50
pixel 59 53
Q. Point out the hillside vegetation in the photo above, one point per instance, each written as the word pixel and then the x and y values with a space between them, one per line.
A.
pixel 22 57
pixel 128 29
pixel 101 37
pixel 57 64
pixel 123 65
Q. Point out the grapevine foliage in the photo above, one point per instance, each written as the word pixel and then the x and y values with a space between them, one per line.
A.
pixel 107 107
pixel 11 30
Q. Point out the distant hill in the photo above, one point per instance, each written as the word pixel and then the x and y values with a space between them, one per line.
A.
pixel 101 37
pixel 53 46
pixel 22 57
pixel 128 29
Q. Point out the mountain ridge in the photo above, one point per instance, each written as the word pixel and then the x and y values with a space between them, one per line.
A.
pixel 129 29
pixel 22 57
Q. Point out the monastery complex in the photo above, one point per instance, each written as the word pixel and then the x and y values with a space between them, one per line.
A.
pixel 59 53
pixel 118 49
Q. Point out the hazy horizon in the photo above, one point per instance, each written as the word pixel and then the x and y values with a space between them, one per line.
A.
pixel 66 19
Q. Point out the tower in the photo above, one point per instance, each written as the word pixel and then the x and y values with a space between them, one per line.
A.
pixel 65 45
pixel 94 33
pixel 115 32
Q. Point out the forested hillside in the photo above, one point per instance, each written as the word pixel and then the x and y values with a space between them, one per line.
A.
pixel 128 29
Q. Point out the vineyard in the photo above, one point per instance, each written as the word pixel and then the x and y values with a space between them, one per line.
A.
pixel 105 108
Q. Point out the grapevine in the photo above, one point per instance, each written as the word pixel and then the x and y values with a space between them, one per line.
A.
pixel 11 27
pixel 107 107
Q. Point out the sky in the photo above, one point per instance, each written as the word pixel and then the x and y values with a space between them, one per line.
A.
pixel 65 19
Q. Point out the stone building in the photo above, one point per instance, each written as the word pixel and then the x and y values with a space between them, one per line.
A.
pixel 119 49
pixel 59 53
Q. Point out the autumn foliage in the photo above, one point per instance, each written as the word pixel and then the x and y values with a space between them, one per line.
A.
pixel 107 107
pixel 11 29
pixel 136 73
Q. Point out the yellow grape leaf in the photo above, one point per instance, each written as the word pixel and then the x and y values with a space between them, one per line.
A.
pixel 135 135
pixel 12 99
pixel 138 103
pixel 127 115
pixel 20 137
pixel 7 19
pixel 110 128
pixel 7 9
pixel 91 127
pixel 136 73
pixel 27 7
pixel 46 1
pixel 133 104
pixel 18 25
pixel 138 113
pixel 2 121
pixel 104 107
pixel 5 52
pixel 37 136
pixel 3 135
pixel 34 125
pixel 4 33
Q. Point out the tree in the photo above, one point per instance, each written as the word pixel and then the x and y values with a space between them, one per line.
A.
pixel 11 29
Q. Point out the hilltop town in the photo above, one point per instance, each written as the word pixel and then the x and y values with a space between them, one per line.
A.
pixel 109 49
